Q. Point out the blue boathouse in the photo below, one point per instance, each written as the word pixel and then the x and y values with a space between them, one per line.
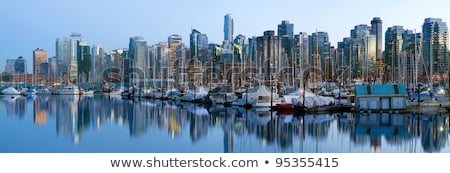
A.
pixel 380 97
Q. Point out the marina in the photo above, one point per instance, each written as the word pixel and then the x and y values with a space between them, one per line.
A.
pixel 103 123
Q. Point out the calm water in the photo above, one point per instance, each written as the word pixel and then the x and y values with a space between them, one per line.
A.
pixel 103 124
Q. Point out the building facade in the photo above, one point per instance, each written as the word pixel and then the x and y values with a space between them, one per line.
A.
pixel 39 57
pixel 434 49
pixel 83 62
pixel 228 27
pixel 268 55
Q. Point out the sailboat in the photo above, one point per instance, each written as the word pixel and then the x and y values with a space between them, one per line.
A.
pixel 30 90
pixel 119 91
pixel 86 92
pixel 222 95
pixel 68 89
pixel 197 95
pixel 10 91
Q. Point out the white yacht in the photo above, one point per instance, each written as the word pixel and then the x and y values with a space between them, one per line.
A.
pixel 68 90
pixel 86 92
pixel 197 95
pixel 29 91
pixel 259 96
pixel 10 91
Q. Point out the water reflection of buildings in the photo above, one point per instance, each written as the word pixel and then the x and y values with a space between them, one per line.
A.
pixel 40 110
pixel 401 130
pixel 243 130
pixel 15 106
pixel 435 130
pixel 199 119
pixel 67 116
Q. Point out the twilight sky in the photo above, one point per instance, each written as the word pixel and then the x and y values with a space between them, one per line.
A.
pixel 29 24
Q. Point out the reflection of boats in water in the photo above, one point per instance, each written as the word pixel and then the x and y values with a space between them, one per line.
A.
pixel 14 105
pixel 318 118
pixel 435 132
pixel 196 109
pixel 260 117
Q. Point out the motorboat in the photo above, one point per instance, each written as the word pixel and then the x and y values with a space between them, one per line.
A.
pixel 197 95
pixel 29 91
pixel 10 91
pixel 68 90
pixel 86 92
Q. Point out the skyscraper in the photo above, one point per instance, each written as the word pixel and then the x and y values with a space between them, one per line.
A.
pixel 411 51
pixel 286 32
pixel 300 50
pixel 268 56
pixel 393 59
pixel 377 30
pixel 363 47
pixel 138 55
pixel 98 56
pixel 182 76
pixel 63 57
pixel 319 49
pixel 53 67
pixel 228 27
pixel 174 41
pixel 83 61
pixel 434 48
pixel 199 45
pixel 286 28
pixel 74 39
pixel 16 65
pixel 39 57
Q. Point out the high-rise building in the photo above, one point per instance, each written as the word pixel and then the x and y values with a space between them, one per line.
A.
pixel 240 42
pixel 16 65
pixel 377 30
pixel 138 56
pixel 162 62
pixel 53 67
pixel 98 56
pixel 182 66
pixel 356 56
pixel 132 45
pixel 228 27
pixel 286 28
pixel 174 41
pixel 392 52
pixel 286 32
pixel 300 52
pixel 74 39
pixel 269 52
pixel 39 57
pixel 434 49
pixel 363 47
pixel 411 51
pixel 63 56
pixel 319 49
pixel 43 70
pixel 199 45
pixel 124 64
pixel 83 61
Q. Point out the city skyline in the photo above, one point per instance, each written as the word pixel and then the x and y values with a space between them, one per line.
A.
pixel 27 27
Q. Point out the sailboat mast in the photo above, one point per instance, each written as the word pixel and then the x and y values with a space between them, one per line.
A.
pixel 431 63
pixel 232 69
pixel 317 59
pixel 415 60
